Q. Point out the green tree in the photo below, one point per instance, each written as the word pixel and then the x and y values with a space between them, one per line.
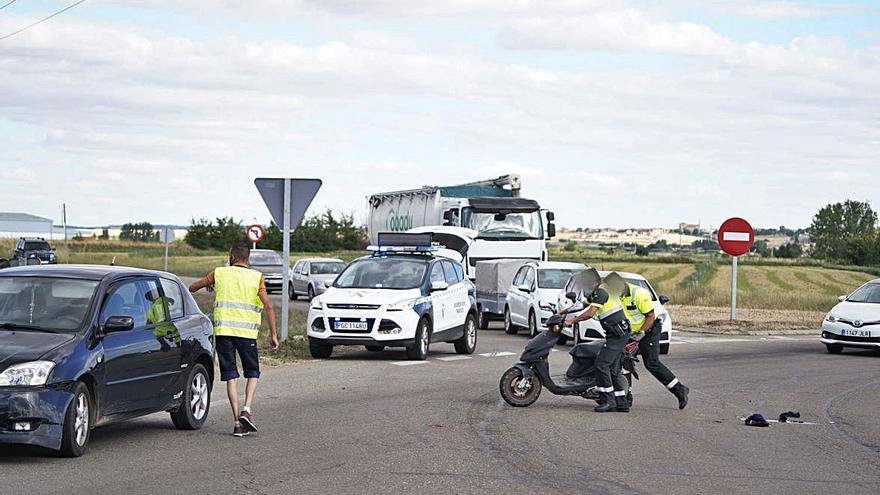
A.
pixel 199 233
pixel 790 250
pixel 138 232
pixel 762 247
pixel 835 225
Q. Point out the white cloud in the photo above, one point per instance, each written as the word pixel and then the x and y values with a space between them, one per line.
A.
pixel 784 10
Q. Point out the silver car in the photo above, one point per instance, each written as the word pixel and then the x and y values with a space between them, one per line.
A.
pixel 312 276
pixel 270 264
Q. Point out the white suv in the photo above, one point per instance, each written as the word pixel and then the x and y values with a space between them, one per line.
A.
pixel 533 294
pixel 401 296
pixel 590 330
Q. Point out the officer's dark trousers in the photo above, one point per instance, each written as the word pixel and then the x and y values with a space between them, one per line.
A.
pixel 649 348
pixel 608 369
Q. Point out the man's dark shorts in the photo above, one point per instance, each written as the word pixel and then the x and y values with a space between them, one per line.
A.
pixel 247 351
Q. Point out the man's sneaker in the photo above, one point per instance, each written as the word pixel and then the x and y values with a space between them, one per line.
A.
pixel 247 421
pixel 239 430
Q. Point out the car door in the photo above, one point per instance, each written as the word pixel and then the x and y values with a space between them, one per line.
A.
pixel 525 295
pixel 300 283
pixel 457 301
pixel 439 299
pixel 514 297
pixel 140 365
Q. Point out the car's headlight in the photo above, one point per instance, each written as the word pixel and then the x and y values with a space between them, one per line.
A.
pixel 317 304
pixel 402 305
pixel 831 318
pixel 547 306
pixel 30 374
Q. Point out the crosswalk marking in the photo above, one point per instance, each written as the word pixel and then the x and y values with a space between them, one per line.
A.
pixel 498 354
pixel 408 363
pixel 453 358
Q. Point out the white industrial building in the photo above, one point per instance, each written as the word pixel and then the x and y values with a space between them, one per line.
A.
pixel 17 225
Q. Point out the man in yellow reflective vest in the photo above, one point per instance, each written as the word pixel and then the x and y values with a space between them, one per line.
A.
pixel 240 297
pixel 639 307
pixel 605 305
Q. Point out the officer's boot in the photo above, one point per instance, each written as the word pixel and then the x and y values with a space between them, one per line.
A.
pixel 607 404
pixel 680 391
pixel 629 399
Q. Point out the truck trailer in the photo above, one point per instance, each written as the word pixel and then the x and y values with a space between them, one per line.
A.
pixel 508 226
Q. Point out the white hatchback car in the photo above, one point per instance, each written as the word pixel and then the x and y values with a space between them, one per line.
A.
pixel 532 296
pixel 855 321
pixel 590 330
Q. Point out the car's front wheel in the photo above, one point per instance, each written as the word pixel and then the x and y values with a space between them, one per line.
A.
pixel 533 325
pixel 482 320
pixel 319 350
pixel 77 423
pixel 193 411
pixel 291 293
pixel 834 348
pixel 509 327
pixel 311 293
pixel 467 343
pixel 418 351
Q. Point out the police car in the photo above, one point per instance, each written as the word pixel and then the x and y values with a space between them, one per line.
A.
pixel 407 293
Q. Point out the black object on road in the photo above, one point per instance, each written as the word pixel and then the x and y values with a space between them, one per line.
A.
pixel 757 420
pixel 784 417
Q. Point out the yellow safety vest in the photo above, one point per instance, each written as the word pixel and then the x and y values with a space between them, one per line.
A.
pixel 611 312
pixel 237 306
pixel 636 305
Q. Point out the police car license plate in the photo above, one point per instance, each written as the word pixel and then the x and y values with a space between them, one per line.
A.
pixel 350 325
pixel 856 333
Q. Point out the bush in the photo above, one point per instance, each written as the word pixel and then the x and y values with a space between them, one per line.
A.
pixel 219 235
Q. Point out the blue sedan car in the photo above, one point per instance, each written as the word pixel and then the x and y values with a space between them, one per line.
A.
pixel 84 346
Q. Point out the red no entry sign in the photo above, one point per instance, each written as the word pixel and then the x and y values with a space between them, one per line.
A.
pixel 736 236
pixel 255 233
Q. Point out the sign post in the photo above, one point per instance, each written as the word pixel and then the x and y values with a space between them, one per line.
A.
pixel 735 237
pixel 255 234
pixel 167 235
pixel 287 200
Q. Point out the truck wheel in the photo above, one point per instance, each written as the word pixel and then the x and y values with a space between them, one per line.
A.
pixel 77 426
pixel 483 321
pixel 509 327
pixel 193 411
pixel 419 350
pixel 319 350
pixel 467 344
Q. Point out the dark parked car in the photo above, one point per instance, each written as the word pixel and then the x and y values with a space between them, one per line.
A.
pixel 271 265
pixel 83 346
pixel 33 251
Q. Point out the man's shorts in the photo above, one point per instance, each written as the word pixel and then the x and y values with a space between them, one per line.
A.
pixel 247 351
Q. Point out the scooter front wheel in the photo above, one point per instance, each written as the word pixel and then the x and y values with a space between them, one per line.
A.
pixel 517 390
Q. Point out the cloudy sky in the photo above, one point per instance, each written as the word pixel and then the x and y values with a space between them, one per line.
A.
pixel 616 113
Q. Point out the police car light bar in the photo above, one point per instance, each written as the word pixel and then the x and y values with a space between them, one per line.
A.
pixel 397 242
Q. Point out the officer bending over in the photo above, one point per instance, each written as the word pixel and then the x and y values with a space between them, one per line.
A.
pixel 605 304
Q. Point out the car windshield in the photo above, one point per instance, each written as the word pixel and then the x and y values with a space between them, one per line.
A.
pixel 497 225
pixel 383 273
pixel 550 278
pixel 44 303
pixel 265 258
pixel 866 294
pixel 36 246
pixel 327 268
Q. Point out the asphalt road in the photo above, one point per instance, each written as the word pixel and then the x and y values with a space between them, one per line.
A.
pixel 364 423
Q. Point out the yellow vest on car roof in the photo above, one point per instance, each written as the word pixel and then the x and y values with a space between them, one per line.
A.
pixel 237 306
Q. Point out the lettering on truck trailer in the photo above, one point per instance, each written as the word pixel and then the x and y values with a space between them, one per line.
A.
pixel 397 222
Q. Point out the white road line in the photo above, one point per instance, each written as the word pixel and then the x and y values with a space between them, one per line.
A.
pixel 453 358
pixel 408 363
pixel 498 354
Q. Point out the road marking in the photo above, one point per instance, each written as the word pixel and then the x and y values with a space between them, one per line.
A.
pixel 453 358
pixel 736 236
pixel 408 363
pixel 498 354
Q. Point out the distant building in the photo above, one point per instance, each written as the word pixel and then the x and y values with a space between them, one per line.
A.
pixel 16 225
pixel 690 227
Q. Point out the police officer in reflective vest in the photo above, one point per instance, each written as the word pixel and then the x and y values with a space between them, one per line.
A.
pixel 605 304
pixel 240 299
pixel 639 307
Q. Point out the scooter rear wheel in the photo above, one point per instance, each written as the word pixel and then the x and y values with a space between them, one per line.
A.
pixel 518 391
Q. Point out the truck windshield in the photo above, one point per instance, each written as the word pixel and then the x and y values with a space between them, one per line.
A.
pixel 496 225
pixel 383 273
pixel 48 304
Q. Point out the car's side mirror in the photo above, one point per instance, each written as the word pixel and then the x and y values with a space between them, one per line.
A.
pixel 524 288
pixel 437 286
pixel 841 298
pixel 664 299
pixel 572 296
pixel 118 324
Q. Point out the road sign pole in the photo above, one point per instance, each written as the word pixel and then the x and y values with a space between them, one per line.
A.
pixel 285 267
pixel 733 288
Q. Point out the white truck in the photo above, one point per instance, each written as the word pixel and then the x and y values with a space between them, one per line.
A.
pixel 507 225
